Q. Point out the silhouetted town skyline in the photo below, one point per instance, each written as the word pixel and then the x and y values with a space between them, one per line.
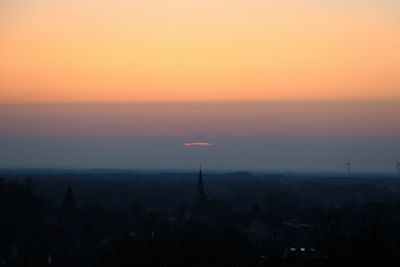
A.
pixel 106 218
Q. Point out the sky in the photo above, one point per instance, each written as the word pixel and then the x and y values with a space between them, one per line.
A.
pixel 265 85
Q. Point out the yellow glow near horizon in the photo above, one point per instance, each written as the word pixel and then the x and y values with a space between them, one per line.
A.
pixel 96 51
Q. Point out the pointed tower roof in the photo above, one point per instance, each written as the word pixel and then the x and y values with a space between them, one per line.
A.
pixel 200 186
pixel 69 205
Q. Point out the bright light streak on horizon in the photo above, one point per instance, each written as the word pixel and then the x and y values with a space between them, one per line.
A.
pixel 202 144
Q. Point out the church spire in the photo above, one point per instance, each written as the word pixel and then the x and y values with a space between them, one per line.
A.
pixel 200 197
pixel 200 186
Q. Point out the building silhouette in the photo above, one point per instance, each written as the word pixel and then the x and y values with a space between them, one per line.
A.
pixel 65 241
pixel 200 201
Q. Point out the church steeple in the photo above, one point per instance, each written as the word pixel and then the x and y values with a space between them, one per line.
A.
pixel 200 186
pixel 67 242
pixel 200 197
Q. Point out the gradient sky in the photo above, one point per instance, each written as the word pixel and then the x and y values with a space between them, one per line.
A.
pixel 273 85
pixel 265 135
pixel 120 50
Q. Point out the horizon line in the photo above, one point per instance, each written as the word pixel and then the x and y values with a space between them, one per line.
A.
pixel 211 101
pixel 194 170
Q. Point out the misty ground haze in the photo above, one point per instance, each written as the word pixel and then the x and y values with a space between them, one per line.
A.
pixel 262 136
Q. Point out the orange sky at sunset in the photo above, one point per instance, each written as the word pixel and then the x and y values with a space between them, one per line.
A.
pixel 100 51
